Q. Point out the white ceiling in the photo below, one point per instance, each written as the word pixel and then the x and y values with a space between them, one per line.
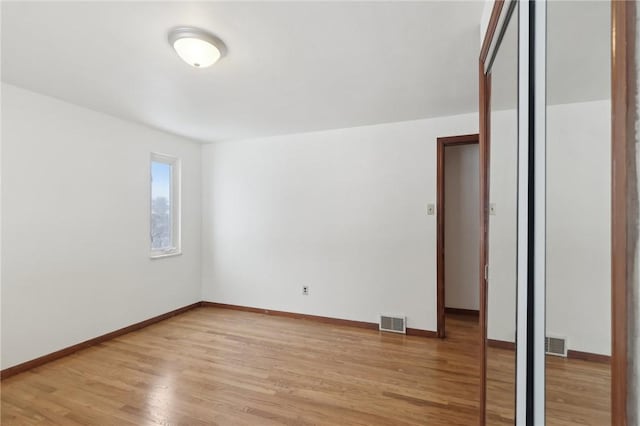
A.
pixel 291 67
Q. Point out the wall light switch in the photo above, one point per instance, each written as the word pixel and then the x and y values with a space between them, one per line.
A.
pixel 431 209
pixel 492 209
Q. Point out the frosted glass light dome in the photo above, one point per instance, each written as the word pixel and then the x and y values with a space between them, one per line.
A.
pixel 196 47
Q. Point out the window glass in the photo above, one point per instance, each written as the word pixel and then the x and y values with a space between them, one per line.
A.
pixel 161 237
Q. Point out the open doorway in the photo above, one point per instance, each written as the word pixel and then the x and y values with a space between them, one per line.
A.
pixel 458 222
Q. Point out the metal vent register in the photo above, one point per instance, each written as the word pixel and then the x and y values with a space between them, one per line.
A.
pixel 555 346
pixel 395 324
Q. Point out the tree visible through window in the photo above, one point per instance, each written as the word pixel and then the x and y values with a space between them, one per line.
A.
pixel 164 205
pixel 160 206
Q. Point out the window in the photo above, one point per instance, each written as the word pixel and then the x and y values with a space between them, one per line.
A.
pixel 165 205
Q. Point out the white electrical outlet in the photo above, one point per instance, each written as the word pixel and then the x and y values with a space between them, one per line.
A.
pixel 305 290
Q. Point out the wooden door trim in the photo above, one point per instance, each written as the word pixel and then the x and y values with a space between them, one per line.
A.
pixel 442 143
pixel 624 209
pixel 485 97
pixel 484 144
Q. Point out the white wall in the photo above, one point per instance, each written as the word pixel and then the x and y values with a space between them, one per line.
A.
pixel 501 296
pixel 462 226
pixel 75 242
pixel 579 225
pixel 343 211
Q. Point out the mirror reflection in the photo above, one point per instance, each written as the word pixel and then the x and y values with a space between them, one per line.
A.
pixel 578 306
pixel 501 283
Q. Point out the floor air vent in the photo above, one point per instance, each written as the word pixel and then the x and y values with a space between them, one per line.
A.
pixel 555 346
pixel 393 323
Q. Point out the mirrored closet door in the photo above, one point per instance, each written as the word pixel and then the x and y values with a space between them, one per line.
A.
pixel 578 213
pixel 501 273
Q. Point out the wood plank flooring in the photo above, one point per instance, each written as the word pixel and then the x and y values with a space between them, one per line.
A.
pixel 216 366
pixel 577 391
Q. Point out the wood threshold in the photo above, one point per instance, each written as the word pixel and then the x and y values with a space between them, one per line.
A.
pixel 460 311
pixel 421 333
pixel 37 362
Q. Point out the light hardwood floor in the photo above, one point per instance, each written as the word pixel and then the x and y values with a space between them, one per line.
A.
pixel 216 366
pixel 577 392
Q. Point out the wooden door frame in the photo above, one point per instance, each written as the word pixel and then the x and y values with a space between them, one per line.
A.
pixel 443 142
pixel 624 204
pixel 484 151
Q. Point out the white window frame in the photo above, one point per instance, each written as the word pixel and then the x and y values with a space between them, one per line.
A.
pixel 176 205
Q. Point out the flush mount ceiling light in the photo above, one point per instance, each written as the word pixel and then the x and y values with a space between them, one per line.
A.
pixel 196 47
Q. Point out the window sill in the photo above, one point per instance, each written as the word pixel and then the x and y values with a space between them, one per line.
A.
pixel 163 255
